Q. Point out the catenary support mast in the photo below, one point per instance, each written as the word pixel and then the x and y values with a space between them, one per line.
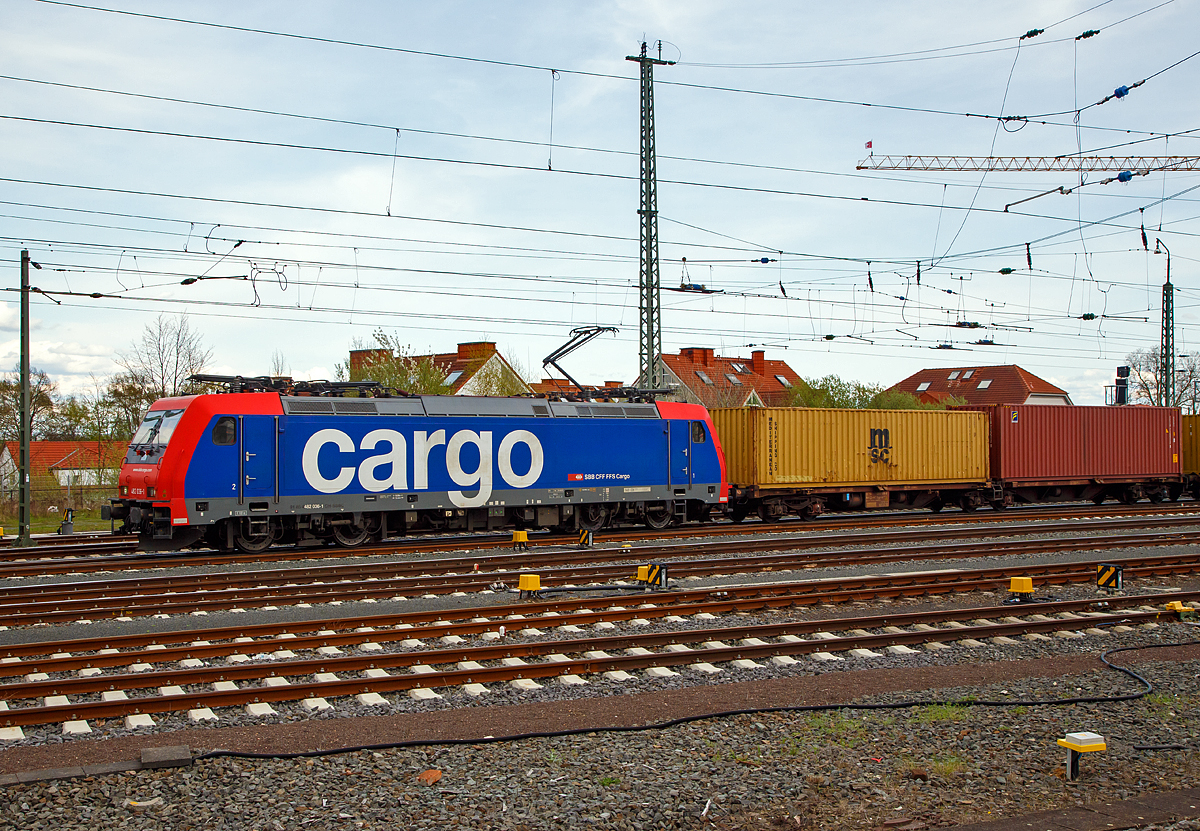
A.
pixel 650 329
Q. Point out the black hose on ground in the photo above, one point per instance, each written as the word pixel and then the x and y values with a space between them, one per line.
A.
pixel 803 708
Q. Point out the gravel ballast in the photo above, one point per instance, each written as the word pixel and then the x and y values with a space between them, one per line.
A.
pixel 935 765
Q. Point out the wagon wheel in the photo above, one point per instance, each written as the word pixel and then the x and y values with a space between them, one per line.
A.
pixel 968 504
pixel 937 506
pixel 738 514
pixel 350 536
pixel 591 517
pixel 251 543
pixel 658 515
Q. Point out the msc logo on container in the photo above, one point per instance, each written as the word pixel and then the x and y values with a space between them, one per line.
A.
pixel 881 446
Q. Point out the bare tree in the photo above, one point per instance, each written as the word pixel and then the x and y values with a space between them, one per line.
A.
pixel 1144 370
pixel 168 351
pixel 279 365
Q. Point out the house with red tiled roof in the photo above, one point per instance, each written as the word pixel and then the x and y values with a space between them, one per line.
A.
pixel 704 377
pixel 472 369
pixel 72 463
pixel 561 386
pixel 982 385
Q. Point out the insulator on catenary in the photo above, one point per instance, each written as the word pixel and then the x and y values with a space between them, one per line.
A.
pixel 1125 176
pixel 1028 257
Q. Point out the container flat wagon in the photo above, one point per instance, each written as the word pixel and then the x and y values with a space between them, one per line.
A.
pixel 1054 453
pixel 782 461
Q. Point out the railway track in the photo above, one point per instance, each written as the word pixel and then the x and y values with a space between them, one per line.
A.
pixel 57 556
pixel 148 686
pixel 544 554
pixel 22 604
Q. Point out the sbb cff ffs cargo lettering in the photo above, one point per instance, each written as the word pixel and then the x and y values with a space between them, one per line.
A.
pixel 247 470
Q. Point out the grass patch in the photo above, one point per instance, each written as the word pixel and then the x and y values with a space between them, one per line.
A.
pixel 935 713
pixel 609 781
pixel 947 765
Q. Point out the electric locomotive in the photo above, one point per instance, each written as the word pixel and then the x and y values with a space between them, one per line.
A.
pixel 272 462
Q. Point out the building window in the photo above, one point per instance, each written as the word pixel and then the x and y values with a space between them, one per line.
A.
pixel 740 368
pixel 921 387
pixel 953 375
pixel 700 374
pixel 983 385
pixel 783 381
pixel 452 377
pixel 733 379
pixel 968 374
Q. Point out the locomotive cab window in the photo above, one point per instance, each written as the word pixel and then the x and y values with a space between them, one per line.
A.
pixel 699 434
pixel 156 428
pixel 224 432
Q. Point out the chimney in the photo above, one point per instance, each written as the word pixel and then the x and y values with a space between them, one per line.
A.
pixel 476 351
pixel 758 362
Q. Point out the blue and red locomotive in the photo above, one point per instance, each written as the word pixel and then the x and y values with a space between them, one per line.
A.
pixel 250 469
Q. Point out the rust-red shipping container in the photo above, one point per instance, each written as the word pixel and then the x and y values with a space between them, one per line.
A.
pixel 1034 443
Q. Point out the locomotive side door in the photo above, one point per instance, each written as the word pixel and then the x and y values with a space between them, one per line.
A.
pixel 680 453
pixel 258 448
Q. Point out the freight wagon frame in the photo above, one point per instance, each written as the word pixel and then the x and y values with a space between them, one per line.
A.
pixel 804 462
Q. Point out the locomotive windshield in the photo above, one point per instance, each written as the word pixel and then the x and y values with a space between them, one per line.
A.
pixel 156 427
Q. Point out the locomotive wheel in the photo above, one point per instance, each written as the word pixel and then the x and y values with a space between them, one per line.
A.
pixel 350 536
pixel 658 515
pixel 592 516
pixel 253 543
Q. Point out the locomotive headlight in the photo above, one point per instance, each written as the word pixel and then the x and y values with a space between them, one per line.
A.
pixel 150 491
pixel 124 490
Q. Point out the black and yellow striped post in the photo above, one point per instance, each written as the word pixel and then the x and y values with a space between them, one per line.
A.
pixel 1109 577
pixel 586 539
pixel 653 575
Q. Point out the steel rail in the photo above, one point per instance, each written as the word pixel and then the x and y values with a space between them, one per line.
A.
pixel 559 556
pixel 34 561
pixel 65 602
pixel 62 656
pixel 752 647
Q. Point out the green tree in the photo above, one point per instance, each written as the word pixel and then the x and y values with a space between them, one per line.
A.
pixel 834 392
pixel 393 365
pixel 42 392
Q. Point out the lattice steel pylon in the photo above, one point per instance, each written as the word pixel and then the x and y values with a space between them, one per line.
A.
pixel 650 328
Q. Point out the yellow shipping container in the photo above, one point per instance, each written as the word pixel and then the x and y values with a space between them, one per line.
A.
pixel 836 449
pixel 1190 445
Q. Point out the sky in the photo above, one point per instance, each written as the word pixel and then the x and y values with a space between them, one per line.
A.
pixel 464 171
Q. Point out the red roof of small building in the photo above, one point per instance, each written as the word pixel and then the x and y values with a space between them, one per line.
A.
pixel 755 374
pixel 69 455
pixel 467 360
pixel 1009 384
pixel 561 386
